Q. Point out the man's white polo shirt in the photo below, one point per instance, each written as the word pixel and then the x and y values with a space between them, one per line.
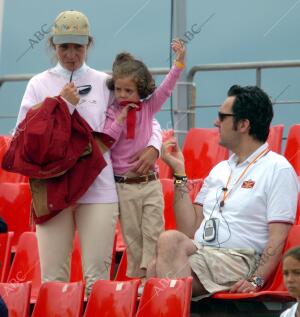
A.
pixel 267 192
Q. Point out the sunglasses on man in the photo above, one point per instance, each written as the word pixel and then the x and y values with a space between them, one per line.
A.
pixel 223 115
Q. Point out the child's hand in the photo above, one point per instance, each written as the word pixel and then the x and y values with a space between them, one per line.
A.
pixel 179 49
pixel 124 112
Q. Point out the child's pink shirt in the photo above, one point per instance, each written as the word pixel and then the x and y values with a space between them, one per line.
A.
pixel 124 150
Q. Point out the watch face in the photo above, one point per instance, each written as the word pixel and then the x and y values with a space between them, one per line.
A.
pixel 258 281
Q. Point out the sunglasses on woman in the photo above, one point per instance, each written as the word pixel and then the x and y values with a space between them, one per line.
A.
pixel 84 90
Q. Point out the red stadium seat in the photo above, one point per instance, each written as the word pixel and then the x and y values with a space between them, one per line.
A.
pixel 292 148
pixel 15 200
pixel 76 273
pixel 166 297
pixel 60 299
pixel 5 254
pixel 275 138
pixel 201 151
pixel 122 268
pixel 17 298
pixel 275 288
pixel 113 299
pixel 7 177
pixel 120 244
pixel 26 264
pixel 297 219
pixel 168 192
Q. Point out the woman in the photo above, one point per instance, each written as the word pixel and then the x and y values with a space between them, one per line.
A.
pixel 95 213
pixel 291 275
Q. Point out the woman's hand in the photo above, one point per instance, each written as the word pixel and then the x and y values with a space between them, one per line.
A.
pixel 145 160
pixel 70 93
pixel 179 49
pixel 172 155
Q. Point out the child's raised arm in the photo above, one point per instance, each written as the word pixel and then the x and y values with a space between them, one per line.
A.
pixel 164 91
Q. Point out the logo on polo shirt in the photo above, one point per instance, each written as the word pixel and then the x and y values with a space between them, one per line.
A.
pixel 248 184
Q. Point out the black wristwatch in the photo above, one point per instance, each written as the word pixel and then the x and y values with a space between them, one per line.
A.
pixel 257 281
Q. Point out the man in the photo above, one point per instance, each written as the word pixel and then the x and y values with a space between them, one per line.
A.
pixel 232 237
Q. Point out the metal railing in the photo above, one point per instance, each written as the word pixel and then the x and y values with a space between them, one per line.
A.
pixel 257 66
pixel 26 77
pixel 190 86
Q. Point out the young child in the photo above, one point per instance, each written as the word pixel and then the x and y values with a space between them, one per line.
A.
pixel 291 275
pixel 129 122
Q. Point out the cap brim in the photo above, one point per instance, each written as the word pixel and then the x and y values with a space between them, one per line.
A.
pixel 76 39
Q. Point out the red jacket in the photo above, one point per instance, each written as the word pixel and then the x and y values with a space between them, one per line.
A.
pixel 49 144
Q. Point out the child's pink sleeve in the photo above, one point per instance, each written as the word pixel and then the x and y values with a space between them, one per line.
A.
pixel 164 91
pixel 111 126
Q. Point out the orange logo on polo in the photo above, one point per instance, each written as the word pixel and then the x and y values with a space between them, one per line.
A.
pixel 248 184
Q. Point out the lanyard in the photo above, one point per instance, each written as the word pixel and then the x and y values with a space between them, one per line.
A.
pixel 225 189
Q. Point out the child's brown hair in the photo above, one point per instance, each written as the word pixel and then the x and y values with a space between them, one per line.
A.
pixel 125 65
pixel 294 253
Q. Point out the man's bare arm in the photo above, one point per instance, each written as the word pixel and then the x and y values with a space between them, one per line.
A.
pixel 188 215
pixel 269 259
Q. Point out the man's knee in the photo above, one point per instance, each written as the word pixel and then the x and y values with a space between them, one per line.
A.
pixel 172 241
pixel 168 240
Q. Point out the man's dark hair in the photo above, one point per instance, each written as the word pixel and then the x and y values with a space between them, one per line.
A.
pixel 254 104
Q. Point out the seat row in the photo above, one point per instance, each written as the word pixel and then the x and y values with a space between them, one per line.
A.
pixel 202 151
pixel 160 297
pixel 15 201
pixel 115 298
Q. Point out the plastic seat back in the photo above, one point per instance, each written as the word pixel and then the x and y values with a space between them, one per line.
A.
pixel 120 244
pixel 76 273
pixel 166 298
pixel 297 219
pixel 164 170
pixel 122 268
pixel 292 148
pixel 26 264
pixel 59 299
pixel 7 177
pixel 202 152
pixel 275 138
pixel 293 240
pixel 15 201
pixel 17 298
pixel 113 299
pixel 5 254
pixel 168 192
